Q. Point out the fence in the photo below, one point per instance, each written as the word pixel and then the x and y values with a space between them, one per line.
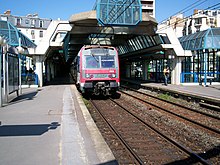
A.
pixel 196 77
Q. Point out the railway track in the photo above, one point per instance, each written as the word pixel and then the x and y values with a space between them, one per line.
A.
pixel 204 120
pixel 145 143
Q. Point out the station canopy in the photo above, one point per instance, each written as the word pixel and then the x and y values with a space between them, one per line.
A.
pixel 11 34
pixel 142 42
pixel 118 12
pixel 207 39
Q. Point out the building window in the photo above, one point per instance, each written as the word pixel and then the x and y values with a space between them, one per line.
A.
pixel 18 21
pixel 33 22
pixel 41 23
pixel 198 21
pixel 27 21
pixel 32 34
pixel 214 13
pixel 211 20
pixel 41 34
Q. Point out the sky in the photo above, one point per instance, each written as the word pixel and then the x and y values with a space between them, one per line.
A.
pixel 63 9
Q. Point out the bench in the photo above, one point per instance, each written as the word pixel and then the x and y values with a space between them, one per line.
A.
pixel 208 78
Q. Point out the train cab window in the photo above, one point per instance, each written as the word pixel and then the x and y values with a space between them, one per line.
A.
pixel 107 62
pixel 92 61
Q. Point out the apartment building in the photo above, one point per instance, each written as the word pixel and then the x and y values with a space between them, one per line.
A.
pixel 201 20
pixel 148 6
pixel 30 25
pixel 176 22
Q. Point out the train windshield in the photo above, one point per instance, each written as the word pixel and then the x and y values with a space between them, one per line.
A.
pixel 107 62
pixel 99 61
pixel 92 61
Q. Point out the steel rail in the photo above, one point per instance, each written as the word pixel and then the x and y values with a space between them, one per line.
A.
pixel 175 143
pixel 128 148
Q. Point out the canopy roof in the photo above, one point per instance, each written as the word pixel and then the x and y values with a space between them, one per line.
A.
pixel 12 35
pixel 208 39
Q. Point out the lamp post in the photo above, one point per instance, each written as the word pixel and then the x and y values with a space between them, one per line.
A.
pixel 20 51
pixel 218 53
pixel 2 44
pixel 205 67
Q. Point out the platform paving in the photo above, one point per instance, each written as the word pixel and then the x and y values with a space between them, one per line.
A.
pixel 211 91
pixel 52 126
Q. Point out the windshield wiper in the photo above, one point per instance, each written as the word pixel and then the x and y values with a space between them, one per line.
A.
pixel 94 58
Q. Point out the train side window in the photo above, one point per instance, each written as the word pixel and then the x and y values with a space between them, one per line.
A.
pixel 77 65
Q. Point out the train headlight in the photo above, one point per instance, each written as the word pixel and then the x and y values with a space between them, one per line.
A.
pixel 87 76
pixel 113 75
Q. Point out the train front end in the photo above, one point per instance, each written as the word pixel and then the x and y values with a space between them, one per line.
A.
pixel 99 70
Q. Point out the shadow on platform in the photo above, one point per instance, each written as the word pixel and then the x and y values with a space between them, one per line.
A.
pixel 26 96
pixel 27 130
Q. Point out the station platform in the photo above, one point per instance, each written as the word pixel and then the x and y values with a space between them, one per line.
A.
pixel 50 125
pixel 208 94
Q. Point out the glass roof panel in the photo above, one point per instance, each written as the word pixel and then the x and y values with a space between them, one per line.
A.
pixel 197 43
pixel 207 39
pixel 119 12
pixel 12 34
pixel 216 31
pixel 141 42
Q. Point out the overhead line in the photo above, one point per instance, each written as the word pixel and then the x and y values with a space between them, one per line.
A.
pixel 183 10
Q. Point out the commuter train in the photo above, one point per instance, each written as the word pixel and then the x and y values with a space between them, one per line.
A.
pixel 95 70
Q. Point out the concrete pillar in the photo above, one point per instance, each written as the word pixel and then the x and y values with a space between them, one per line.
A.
pixel 128 71
pixel 145 69
pixel 176 70
pixel 52 67
pixel 39 70
pixel 28 63
pixel 48 71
